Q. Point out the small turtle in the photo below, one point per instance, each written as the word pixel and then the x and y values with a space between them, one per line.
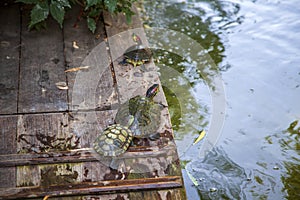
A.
pixel 136 55
pixel 139 117
pixel 141 114
pixel 114 140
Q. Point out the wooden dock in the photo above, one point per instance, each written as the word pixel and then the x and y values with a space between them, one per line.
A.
pixel 46 133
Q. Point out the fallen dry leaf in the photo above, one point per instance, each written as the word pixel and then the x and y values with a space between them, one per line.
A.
pixel 76 69
pixel 75 46
pixel 46 197
pixel 62 85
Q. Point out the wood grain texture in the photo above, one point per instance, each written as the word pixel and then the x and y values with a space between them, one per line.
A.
pixel 9 58
pixel 87 188
pixel 91 88
pixel 39 133
pixel 7 177
pixel 8 145
pixel 8 132
pixel 88 125
pixel 42 65
pixel 134 154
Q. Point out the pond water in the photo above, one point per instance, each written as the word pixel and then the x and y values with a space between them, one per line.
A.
pixel 255 49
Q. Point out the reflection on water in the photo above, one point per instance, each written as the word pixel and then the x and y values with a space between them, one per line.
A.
pixel 289 142
pixel 196 19
pixel 218 177
pixel 256 45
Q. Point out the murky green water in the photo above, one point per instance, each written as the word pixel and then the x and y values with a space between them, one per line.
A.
pixel 255 46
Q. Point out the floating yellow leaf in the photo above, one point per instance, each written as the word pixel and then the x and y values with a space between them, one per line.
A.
pixel 146 26
pixel 62 85
pixel 76 69
pixel 200 137
pixel 193 179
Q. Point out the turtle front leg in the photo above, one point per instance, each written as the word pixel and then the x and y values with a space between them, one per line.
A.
pixel 143 68
pixel 123 62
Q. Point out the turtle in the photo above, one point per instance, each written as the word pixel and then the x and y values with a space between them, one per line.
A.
pixel 141 114
pixel 136 55
pixel 114 140
pixel 138 117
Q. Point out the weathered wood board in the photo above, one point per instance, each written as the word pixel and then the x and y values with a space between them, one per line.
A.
pixel 39 133
pixel 131 81
pixel 9 58
pixel 101 187
pixel 8 132
pixel 42 66
pixel 93 87
pixel 88 125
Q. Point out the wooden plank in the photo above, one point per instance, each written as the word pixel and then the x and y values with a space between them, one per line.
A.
pixel 116 23
pixel 8 132
pixel 79 155
pixel 130 81
pixel 28 176
pixel 44 132
pixel 7 177
pixel 87 188
pixel 91 88
pixel 46 147
pixel 89 124
pixel 8 146
pixel 134 81
pixel 42 65
pixel 76 30
pixel 171 194
pixel 64 173
pixel 9 57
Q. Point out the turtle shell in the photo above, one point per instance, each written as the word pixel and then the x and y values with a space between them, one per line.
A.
pixel 137 55
pixel 142 115
pixel 114 140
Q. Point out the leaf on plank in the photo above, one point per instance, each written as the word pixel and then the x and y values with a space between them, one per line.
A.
pixel 91 24
pixel 39 13
pixel 57 11
pixel 62 85
pixel 76 69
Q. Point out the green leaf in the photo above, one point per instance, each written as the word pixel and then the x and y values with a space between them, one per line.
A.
pixel 57 11
pixel 64 3
pixel 111 5
pixel 128 14
pixel 28 1
pixel 90 3
pixel 94 12
pixel 91 24
pixel 39 13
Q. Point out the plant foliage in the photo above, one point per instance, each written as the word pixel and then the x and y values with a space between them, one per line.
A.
pixel 92 9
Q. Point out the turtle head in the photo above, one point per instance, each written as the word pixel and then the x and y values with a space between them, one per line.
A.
pixel 136 39
pixel 152 91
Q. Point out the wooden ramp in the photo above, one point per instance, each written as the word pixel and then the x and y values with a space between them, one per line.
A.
pixel 46 133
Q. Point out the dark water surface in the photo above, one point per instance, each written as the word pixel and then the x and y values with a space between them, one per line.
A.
pixel 256 48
